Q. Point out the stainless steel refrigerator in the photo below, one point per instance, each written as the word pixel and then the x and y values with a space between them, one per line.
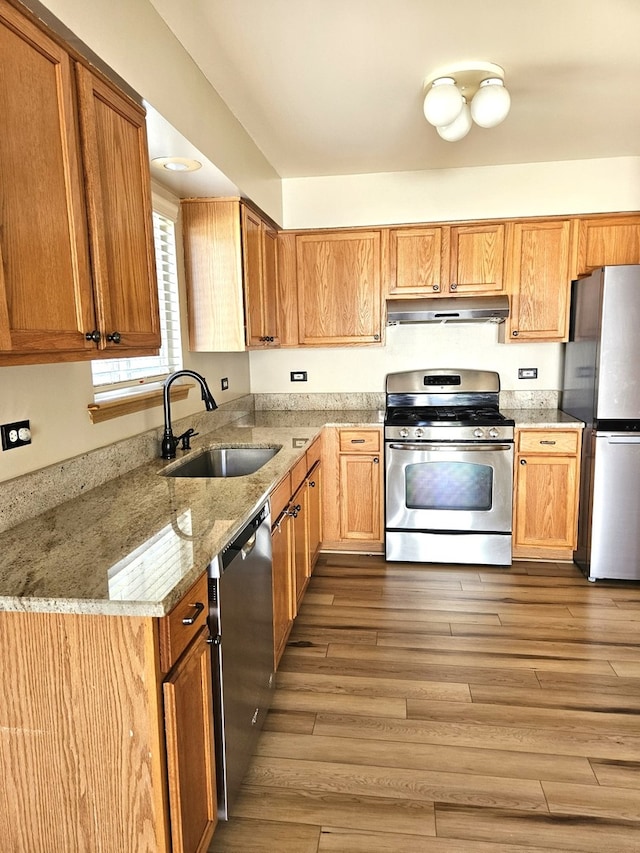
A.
pixel 602 388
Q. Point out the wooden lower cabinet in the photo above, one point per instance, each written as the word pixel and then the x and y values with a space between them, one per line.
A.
pixel 353 490
pixel 190 751
pixel 108 748
pixel 547 474
pixel 296 535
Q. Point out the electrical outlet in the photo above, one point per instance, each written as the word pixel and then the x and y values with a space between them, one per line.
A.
pixel 298 375
pixel 527 373
pixel 16 434
pixel 224 384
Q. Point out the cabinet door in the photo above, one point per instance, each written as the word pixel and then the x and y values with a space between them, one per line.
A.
pixel 414 264
pixel 360 492
pixel 539 278
pixel 302 563
pixel 46 302
pixel 339 288
pixel 188 707
pixel 283 583
pixel 314 497
pixel 477 259
pixel 260 279
pixel 546 501
pixel 608 240
pixel 118 189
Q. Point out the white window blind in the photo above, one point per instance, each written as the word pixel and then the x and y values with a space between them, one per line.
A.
pixel 111 374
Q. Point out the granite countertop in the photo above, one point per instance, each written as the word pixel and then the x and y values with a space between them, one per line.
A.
pixel 135 545
pixel 542 419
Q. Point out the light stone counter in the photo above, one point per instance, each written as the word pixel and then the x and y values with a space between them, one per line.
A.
pixel 542 419
pixel 134 545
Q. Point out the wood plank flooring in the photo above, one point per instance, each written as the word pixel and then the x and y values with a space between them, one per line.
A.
pixel 449 709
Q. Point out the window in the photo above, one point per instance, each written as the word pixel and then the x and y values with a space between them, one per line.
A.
pixel 112 377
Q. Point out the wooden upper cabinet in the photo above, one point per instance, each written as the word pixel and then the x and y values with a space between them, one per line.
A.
pixel 46 301
pixel 338 285
pixel 213 264
pixel 477 259
pixel 540 264
pixel 414 263
pixel 608 240
pixel 260 267
pixel 76 238
pixel 231 265
pixel 114 143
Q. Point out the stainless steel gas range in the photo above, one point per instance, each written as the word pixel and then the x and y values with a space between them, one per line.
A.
pixel 448 468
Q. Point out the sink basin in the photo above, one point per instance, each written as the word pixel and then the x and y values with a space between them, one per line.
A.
pixel 224 462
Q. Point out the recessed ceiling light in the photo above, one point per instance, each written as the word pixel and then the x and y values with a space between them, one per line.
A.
pixel 176 164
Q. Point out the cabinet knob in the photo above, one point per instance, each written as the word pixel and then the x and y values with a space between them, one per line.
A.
pixel 376 460
pixel 436 287
pixel 523 461
pixel 514 333
pixel 93 336
pixel 312 484
pixel 453 287
pixel 114 337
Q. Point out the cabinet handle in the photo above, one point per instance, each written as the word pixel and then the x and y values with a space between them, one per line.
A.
pixel 523 461
pixel 376 459
pixel 93 336
pixel 546 441
pixel 453 286
pixel 190 620
pixel 514 333
pixel 357 441
pixel 114 337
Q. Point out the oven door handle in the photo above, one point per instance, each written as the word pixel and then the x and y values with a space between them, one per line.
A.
pixel 478 446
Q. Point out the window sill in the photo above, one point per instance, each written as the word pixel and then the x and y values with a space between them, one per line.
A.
pixel 136 402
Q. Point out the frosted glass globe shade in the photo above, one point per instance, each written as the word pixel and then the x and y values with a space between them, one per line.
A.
pixel 443 102
pixel 458 128
pixel 491 103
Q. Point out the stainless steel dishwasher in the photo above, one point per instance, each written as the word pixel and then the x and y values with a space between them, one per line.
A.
pixel 241 624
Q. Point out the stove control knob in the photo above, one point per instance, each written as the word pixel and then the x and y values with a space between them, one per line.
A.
pixel 404 432
pixel 494 433
pixel 478 433
pixel 419 432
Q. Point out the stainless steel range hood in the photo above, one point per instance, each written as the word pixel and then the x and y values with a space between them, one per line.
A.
pixel 458 309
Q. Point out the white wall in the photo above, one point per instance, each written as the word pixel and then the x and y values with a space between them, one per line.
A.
pixel 534 189
pixel 531 189
pixel 133 40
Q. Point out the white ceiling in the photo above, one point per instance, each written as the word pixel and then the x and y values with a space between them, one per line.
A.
pixel 330 87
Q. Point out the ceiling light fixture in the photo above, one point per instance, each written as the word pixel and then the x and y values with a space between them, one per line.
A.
pixel 176 164
pixel 464 93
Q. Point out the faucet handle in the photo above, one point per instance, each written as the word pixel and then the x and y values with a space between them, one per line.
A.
pixel 185 438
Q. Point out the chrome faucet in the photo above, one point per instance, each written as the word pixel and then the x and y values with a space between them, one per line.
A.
pixel 169 443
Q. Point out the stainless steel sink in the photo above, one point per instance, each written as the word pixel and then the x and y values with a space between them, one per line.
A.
pixel 223 462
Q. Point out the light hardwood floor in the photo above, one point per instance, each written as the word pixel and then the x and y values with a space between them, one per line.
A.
pixel 448 709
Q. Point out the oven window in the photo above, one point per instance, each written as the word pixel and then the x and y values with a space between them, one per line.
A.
pixel 449 485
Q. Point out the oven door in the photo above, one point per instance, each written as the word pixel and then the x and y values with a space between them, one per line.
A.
pixel 449 486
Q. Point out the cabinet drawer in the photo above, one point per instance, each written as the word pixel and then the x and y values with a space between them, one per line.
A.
pixel 280 497
pixel 175 636
pixel 360 440
pixel 548 441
